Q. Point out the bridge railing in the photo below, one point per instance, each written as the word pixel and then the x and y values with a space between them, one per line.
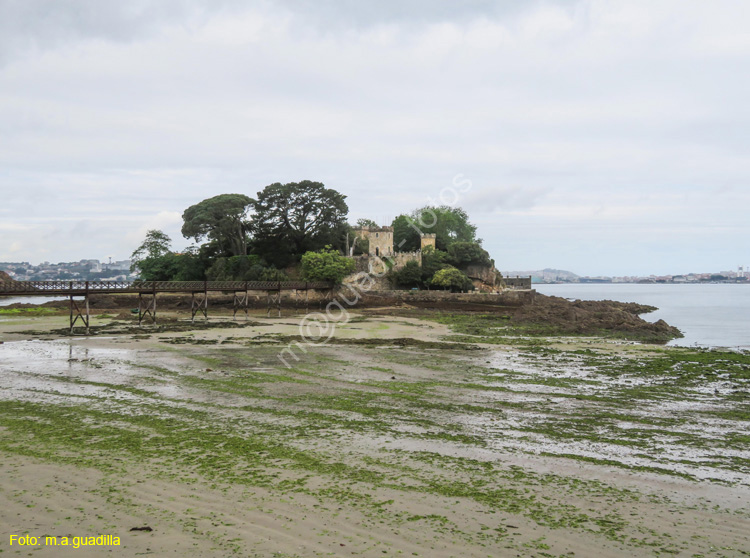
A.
pixel 44 287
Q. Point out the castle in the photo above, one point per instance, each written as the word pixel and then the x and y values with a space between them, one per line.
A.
pixel 381 257
pixel 381 254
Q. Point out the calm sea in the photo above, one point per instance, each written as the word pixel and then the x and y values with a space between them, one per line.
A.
pixel 709 315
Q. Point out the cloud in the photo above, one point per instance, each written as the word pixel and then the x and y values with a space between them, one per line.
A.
pixel 508 198
pixel 567 116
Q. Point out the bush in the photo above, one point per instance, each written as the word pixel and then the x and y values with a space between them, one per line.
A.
pixel 408 276
pixel 326 265
pixel 432 261
pixel 243 268
pixel 453 279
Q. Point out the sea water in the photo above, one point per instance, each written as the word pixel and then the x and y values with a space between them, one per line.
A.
pixel 709 314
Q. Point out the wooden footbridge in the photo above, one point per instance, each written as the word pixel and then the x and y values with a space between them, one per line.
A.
pixel 148 290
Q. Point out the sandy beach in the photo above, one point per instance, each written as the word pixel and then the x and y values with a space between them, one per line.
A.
pixel 401 436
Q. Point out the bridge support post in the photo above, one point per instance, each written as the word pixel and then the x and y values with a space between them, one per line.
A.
pixel 146 307
pixel 273 300
pixel 326 298
pixel 298 300
pixel 239 304
pixel 76 313
pixel 199 305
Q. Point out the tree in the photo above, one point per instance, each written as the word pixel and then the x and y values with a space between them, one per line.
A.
pixel 155 245
pixel 326 265
pixel 243 268
pixel 159 268
pixel 464 254
pixel 366 224
pixel 189 265
pixel 357 244
pixel 154 259
pixel 451 278
pixel 222 219
pixel 298 217
pixel 432 262
pixel 406 234
pixel 408 276
pixel 448 224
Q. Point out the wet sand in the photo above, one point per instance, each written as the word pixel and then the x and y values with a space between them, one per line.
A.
pixel 363 449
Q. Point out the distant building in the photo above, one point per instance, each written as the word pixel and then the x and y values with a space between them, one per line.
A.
pixel 122 265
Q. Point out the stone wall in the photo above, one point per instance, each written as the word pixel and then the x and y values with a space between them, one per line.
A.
pixel 373 267
pixel 379 267
pixel 518 282
pixel 422 298
pixel 400 259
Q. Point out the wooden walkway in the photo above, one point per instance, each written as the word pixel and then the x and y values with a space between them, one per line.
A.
pixel 148 290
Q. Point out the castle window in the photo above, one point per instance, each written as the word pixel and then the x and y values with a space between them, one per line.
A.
pixel 377 251
pixel 376 235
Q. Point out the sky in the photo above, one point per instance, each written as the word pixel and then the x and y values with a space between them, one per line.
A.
pixel 600 137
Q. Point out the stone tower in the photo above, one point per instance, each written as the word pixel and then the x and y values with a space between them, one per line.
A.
pixel 428 240
pixel 381 240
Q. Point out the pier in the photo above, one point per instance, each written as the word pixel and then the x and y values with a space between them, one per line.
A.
pixel 147 292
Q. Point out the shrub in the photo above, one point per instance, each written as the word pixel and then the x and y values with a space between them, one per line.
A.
pixel 453 279
pixel 326 265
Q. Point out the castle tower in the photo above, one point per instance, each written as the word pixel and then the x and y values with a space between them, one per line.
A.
pixel 381 240
pixel 428 240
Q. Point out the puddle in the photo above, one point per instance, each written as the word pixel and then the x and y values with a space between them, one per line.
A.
pixel 676 436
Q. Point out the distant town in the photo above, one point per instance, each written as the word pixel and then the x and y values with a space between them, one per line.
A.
pixel 741 275
pixel 83 270
pixel 95 270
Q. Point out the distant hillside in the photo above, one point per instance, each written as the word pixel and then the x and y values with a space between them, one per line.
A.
pixel 543 275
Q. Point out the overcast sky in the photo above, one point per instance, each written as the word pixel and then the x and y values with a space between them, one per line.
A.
pixel 602 137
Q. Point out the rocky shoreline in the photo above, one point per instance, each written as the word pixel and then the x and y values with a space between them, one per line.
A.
pixel 528 310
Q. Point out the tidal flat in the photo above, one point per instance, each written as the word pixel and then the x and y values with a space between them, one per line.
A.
pixel 404 435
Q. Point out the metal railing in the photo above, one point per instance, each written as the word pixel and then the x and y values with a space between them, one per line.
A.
pixel 44 288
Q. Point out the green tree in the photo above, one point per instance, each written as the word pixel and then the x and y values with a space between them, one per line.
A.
pixel 451 278
pixel 366 224
pixel 155 261
pixel 463 254
pixel 406 234
pixel 298 217
pixel 448 224
pixel 272 274
pixel 326 265
pixel 243 268
pixel 360 244
pixel 155 245
pixel 190 266
pixel 432 262
pixel 408 276
pixel 222 219
pixel 159 268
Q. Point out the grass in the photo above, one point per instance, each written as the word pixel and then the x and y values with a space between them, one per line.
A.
pixel 30 311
